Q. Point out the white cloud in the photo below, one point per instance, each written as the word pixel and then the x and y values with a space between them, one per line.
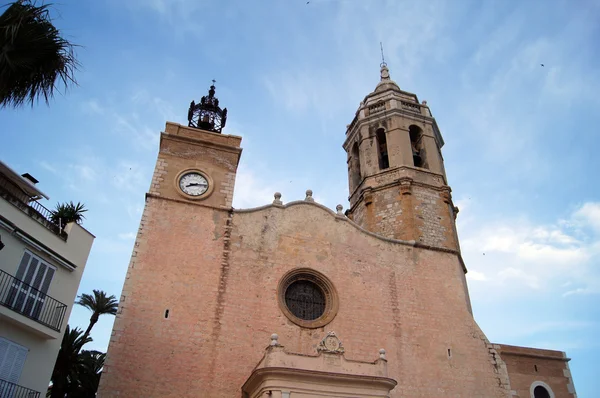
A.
pixel 92 107
pixel 127 236
pixel 48 167
pixel 519 275
pixel 589 215
pixel 476 276
pixel 251 191
pixel 516 252
pixel 130 176
pixel 182 16
pixel 579 290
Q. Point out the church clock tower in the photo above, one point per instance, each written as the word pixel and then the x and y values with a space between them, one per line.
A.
pixel 398 186
pixel 196 163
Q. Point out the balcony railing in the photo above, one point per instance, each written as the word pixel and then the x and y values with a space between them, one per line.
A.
pixel 34 209
pixel 12 390
pixel 30 302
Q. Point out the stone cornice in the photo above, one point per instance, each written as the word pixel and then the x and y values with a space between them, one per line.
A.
pixel 319 375
pixel 187 202
pixel 201 142
pixel 397 181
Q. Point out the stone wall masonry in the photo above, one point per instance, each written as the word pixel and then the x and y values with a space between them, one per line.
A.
pixel 408 211
pixel 429 215
pixel 160 171
pixel 408 300
pixel 227 186
pixel 176 266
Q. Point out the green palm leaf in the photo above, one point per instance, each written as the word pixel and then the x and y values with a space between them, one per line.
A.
pixel 34 58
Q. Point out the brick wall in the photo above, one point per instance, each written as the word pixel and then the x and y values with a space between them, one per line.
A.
pixel 527 366
pixel 217 272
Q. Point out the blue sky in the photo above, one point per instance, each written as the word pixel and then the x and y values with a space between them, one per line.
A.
pixel 521 139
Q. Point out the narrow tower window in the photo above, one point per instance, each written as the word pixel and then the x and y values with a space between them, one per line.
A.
pixel 355 166
pixel 384 162
pixel 416 144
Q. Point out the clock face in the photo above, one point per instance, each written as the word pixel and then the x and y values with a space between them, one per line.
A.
pixel 193 183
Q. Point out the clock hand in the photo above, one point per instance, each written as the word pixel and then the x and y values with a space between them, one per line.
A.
pixel 193 184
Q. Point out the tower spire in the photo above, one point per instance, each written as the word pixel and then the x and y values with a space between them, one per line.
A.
pixel 385 72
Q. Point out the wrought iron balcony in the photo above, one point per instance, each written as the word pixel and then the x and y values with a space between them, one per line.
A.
pixel 12 390
pixel 30 302
pixel 34 209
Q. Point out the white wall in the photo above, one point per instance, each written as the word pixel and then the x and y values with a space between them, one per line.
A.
pixel 43 343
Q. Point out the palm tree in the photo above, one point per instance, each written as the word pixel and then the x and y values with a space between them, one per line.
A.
pixel 65 369
pixel 99 304
pixel 76 374
pixel 89 370
pixel 65 213
pixel 34 57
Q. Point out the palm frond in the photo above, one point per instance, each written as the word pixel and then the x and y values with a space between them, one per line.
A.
pixel 99 302
pixel 34 57
pixel 65 213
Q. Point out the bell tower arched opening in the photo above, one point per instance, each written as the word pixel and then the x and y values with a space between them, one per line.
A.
pixel 382 150
pixel 355 174
pixel 416 143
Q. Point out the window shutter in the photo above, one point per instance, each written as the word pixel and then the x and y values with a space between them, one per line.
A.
pixel 12 360
pixel 41 272
pixel 47 280
pixel 19 362
pixel 30 271
pixel 3 351
pixel 23 265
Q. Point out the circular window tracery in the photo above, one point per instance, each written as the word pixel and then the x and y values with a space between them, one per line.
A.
pixel 307 298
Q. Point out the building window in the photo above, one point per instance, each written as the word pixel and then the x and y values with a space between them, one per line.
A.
pixel 416 143
pixel 539 389
pixel 307 298
pixel 382 151
pixel 27 293
pixel 12 360
pixel 356 177
pixel 540 392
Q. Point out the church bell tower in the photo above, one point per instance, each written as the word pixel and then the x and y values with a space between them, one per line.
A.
pixel 397 181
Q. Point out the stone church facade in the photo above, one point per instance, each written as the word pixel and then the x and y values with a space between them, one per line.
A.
pixel 296 300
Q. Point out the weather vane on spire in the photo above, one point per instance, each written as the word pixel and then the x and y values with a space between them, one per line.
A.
pixel 382 57
pixel 385 73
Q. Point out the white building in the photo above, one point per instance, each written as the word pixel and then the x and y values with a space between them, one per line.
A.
pixel 40 270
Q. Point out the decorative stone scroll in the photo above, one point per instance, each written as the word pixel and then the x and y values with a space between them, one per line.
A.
pixel 331 344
